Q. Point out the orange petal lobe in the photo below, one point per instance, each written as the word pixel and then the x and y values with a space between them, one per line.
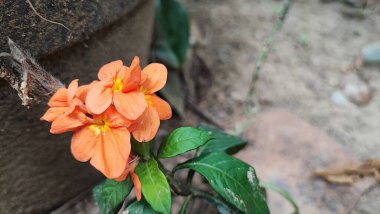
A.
pixel 71 90
pixel 131 105
pixel 156 76
pixel 137 184
pixel 99 98
pixel 146 126
pixel 109 71
pixel 83 91
pixel 83 144
pixel 69 122
pixel 115 118
pixel 132 78
pixel 111 153
pixel 59 99
pixel 163 108
pixel 53 113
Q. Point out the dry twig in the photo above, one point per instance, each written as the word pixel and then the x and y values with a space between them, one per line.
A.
pixel 29 79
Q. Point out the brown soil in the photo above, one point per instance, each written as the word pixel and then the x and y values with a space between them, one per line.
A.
pixel 309 61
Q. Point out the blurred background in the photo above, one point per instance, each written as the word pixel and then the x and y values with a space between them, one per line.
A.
pixel 297 79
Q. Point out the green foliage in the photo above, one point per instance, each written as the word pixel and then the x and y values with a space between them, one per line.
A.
pixel 170 46
pixel 182 140
pixel 110 194
pixel 155 187
pixel 233 179
pixel 283 193
pixel 139 207
pixel 172 24
pixel 220 142
pixel 142 148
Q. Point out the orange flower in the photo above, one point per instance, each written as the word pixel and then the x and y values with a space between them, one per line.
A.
pixel 129 169
pixel 63 102
pixel 146 126
pixel 105 140
pixel 118 85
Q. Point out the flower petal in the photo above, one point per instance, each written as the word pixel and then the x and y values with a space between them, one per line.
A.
pixel 99 98
pixel 109 71
pixel 132 77
pixel 59 99
pixel 131 105
pixel 163 108
pixel 71 90
pixel 156 76
pixel 83 144
pixel 74 103
pixel 83 90
pixel 115 118
pixel 137 184
pixel 69 122
pixel 146 126
pixel 53 113
pixel 111 154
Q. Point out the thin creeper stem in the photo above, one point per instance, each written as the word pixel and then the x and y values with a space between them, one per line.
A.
pixel 263 54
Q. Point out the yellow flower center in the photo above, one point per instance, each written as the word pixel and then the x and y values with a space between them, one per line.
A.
pixel 117 85
pixel 148 99
pixel 143 90
pixel 100 128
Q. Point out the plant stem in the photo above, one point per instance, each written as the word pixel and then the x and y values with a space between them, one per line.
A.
pixel 185 204
pixel 263 54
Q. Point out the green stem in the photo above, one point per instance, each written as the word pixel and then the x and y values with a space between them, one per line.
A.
pixel 185 204
pixel 211 198
pixel 263 54
pixel 282 192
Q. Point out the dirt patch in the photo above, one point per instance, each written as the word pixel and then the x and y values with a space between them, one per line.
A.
pixel 303 70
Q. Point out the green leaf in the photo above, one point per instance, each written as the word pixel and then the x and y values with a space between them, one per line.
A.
pixel 173 26
pixel 233 179
pixel 182 140
pixel 155 187
pixel 110 194
pixel 371 53
pixel 283 193
pixel 163 52
pixel 220 142
pixel 139 207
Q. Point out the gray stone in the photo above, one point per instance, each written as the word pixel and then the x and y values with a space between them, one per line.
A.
pixel 38 172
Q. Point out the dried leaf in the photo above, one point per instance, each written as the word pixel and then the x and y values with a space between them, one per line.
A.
pixel 351 173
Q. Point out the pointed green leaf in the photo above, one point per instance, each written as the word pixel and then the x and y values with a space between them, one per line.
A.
pixel 233 179
pixel 110 194
pixel 155 187
pixel 173 26
pixel 139 207
pixel 182 140
pixel 220 142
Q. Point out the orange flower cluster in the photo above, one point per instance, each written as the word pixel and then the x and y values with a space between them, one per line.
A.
pixel 105 113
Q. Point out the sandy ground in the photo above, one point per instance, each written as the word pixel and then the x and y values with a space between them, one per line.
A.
pixel 307 65
pixel 314 64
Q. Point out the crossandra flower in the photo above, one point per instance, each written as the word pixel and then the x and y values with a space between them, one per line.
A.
pixel 129 170
pixel 63 102
pixel 104 139
pixel 146 126
pixel 118 85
